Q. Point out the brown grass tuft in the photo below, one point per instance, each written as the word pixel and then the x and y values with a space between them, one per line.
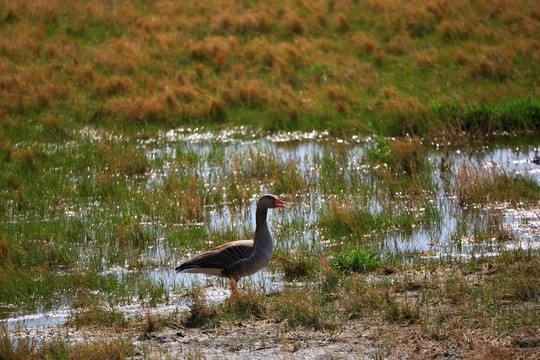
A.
pixel 187 197
pixel 256 21
pixel 439 9
pixel 481 186
pixel 200 70
pixel 4 253
pixel 150 324
pixel 250 94
pixel 292 23
pixel 121 55
pixel 12 83
pixel 341 107
pixel 114 85
pixel 51 123
pixel 493 64
pixel 223 22
pixel 365 43
pixel 6 151
pixel 337 93
pixel 418 20
pixel 453 29
pixel 199 311
pixel 321 18
pixel 29 157
pixel 129 161
pixel 379 57
pixel 216 108
pixel 390 93
pixel 408 155
pixel 268 58
pixel 188 112
pixel 142 109
pixel 425 61
pixel 396 47
pixel 343 23
pixel 102 349
pixel 461 57
pixel 215 51
pixel 188 92
pixel 85 73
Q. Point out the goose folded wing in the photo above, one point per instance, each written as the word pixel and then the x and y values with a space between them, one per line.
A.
pixel 220 257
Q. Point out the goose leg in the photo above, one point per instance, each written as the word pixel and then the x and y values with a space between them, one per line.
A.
pixel 234 288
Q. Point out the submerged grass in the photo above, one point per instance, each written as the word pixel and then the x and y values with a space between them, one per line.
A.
pixel 353 222
pixel 481 186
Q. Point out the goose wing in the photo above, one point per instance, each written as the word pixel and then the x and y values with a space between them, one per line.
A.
pixel 215 260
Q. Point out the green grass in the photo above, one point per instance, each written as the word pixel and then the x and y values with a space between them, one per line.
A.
pixel 360 260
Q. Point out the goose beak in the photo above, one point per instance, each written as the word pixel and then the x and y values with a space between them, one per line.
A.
pixel 279 203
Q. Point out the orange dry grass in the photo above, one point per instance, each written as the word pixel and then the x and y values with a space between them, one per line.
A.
pixel 114 85
pixel 407 155
pixel 250 94
pixel 292 23
pixel 139 62
pixel 255 21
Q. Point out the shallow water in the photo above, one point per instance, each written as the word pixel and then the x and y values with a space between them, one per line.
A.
pixel 217 153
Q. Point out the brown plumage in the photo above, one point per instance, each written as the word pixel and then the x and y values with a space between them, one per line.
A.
pixel 241 258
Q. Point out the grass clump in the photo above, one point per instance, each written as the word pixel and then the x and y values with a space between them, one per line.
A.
pixel 478 186
pixel 98 317
pixel 398 312
pixel 298 265
pixel 360 298
pixel 359 260
pixel 249 304
pixel 312 312
pixel 200 313
pixel 351 221
pixel 401 156
pixel 117 349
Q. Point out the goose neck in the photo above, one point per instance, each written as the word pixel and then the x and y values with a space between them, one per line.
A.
pixel 263 242
pixel 260 217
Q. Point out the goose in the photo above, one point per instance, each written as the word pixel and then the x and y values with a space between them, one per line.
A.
pixel 241 258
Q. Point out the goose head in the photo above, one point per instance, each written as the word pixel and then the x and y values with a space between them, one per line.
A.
pixel 269 202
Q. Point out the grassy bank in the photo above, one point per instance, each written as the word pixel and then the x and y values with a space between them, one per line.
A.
pixel 391 66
